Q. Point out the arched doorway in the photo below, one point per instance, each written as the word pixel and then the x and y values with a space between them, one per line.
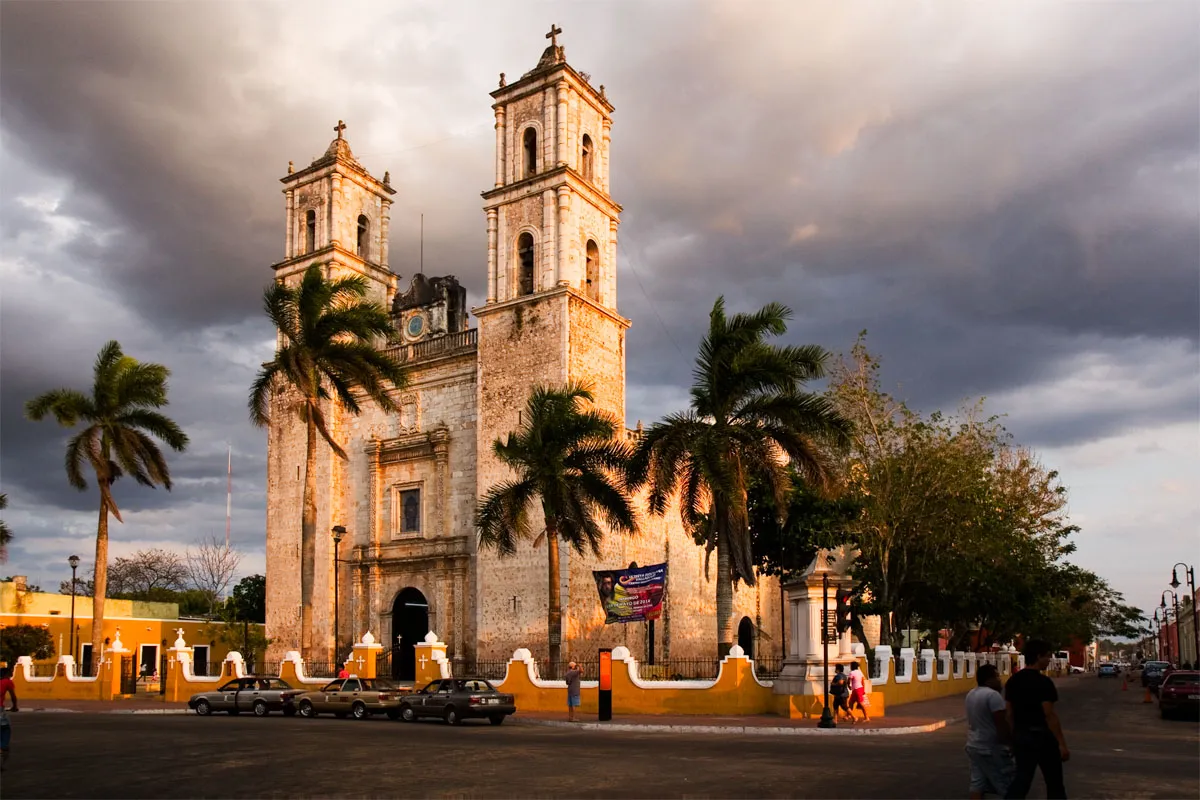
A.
pixel 410 621
pixel 746 636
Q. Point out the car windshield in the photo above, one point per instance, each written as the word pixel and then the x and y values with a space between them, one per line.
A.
pixel 232 686
pixel 476 685
pixel 1156 666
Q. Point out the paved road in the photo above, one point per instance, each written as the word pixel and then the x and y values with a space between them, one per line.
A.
pixel 1120 748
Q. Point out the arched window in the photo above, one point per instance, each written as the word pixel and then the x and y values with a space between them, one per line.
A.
pixel 310 231
pixel 525 264
pixel 593 271
pixel 530 141
pixel 586 158
pixel 364 227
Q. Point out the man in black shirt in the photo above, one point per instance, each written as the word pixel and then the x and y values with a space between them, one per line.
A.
pixel 1037 735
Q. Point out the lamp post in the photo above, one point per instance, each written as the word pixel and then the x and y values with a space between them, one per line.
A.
pixel 826 716
pixel 74 562
pixel 338 532
pixel 1166 611
pixel 1158 654
pixel 1190 574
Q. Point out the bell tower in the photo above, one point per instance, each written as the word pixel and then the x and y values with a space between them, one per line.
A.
pixel 551 310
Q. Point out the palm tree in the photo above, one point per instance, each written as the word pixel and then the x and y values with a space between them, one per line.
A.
pixel 118 439
pixel 565 455
pixel 327 350
pixel 5 533
pixel 749 415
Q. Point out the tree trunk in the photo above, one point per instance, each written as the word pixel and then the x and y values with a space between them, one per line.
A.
pixel 724 593
pixel 308 539
pixel 100 585
pixel 554 615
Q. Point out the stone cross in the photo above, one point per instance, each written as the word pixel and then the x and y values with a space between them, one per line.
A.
pixel 341 126
pixel 553 34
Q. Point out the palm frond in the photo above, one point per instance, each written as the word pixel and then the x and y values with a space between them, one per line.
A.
pixel 502 516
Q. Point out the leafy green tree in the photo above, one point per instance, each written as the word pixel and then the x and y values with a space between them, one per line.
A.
pixel 565 457
pixel 327 353
pixel 249 599
pixel 25 640
pixel 749 417
pixel 120 427
pixel 5 532
pixel 786 541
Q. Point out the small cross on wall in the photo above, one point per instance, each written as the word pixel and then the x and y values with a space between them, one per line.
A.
pixel 424 660
pixel 553 34
pixel 341 126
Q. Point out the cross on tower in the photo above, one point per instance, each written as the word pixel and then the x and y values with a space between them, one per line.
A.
pixel 341 126
pixel 553 34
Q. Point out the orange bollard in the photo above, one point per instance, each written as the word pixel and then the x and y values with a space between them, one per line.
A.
pixel 1147 698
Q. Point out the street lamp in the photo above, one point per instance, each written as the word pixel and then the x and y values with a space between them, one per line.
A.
pixel 1175 604
pixel 74 562
pixel 338 532
pixel 1190 574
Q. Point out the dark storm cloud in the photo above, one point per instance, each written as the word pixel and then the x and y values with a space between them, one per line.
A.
pixel 998 194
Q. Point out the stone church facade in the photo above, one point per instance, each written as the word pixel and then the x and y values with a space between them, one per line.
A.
pixel 410 561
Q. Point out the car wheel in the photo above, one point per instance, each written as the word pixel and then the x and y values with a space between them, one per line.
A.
pixel 359 711
pixel 260 708
pixel 407 714
pixel 496 719
pixel 452 716
pixel 307 710
pixel 203 708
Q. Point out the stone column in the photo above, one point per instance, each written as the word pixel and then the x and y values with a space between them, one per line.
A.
pixel 491 266
pixel 441 453
pixel 290 239
pixel 385 218
pixel 548 143
pixel 549 240
pixel 560 156
pixel 501 255
pixel 610 268
pixel 605 144
pixel 500 146
pixel 335 195
pixel 563 244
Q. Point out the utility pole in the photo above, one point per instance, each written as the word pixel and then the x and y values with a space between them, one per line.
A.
pixel 826 714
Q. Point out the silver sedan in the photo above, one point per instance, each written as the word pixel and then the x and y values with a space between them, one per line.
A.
pixel 259 696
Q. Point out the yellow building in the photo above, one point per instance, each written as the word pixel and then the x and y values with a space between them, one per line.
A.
pixel 147 629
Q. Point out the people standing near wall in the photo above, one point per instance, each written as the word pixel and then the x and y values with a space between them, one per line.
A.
pixel 7 687
pixel 574 694
pixel 1038 740
pixel 988 736
pixel 858 692
pixel 839 689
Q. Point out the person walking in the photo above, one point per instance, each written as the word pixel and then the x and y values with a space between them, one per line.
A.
pixel 1038 740
pixel 839 690
pixel 988 736
pixel 858 692
pixel 574 695
pixel 7 689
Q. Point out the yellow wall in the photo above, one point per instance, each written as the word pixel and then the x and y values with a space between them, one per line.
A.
pixel 16 602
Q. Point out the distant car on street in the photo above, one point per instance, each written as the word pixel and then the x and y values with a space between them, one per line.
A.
pixel 1152 674
pixel 354 697
pixel 1180 691
pixel 259 696
pixel 1108 671
pixel 457 699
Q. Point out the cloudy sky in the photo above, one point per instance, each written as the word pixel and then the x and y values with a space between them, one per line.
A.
pixel 1005 195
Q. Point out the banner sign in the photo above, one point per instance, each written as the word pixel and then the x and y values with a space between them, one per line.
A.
pixel 631 595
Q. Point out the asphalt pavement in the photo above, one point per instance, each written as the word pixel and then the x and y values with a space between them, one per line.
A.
pixel 1120 748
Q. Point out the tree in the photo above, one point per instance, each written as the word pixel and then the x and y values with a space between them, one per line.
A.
pixel 211 566
pixel 25 640
pixel 120 426
pixel 5 533
pixel 749 417
pixel 29 587
pixel 249 599
pixel 565 456
pixel 327 333
pixel 140 575
pixel 785 543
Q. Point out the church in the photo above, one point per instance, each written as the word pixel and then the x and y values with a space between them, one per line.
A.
pixel 409 561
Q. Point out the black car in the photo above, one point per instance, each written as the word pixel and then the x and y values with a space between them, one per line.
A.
pixel 458 699
pixel 1152 674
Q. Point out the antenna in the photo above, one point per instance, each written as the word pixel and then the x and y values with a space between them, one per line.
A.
pixel 229 496
pixel 422 267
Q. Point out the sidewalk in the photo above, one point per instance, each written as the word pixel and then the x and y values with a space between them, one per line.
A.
pixel 141 704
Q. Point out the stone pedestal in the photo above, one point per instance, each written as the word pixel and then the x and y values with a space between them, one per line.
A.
pixel 362 661
pixel 430 655
pixel 803 667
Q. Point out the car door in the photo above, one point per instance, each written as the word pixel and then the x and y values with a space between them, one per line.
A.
pixel 435 703
pixel 419 700
pixel 326 700
pixel 349 692
pixel 225 698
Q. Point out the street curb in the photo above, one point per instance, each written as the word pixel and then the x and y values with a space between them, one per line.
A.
pixel 743 730
pixel 108 711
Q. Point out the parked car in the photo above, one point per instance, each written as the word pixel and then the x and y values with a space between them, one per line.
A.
pixel 1180 691
pixel 1152 674
pixel 457 699
pixel 1108 670
pixel 356 697
pixel 260 696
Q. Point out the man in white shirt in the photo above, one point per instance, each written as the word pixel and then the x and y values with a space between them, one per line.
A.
pixel 988 736
pixel 858 692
